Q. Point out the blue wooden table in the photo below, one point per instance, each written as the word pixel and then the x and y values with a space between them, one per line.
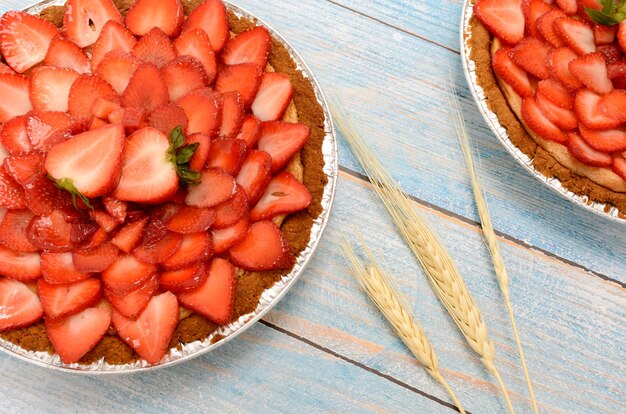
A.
pixel 325 347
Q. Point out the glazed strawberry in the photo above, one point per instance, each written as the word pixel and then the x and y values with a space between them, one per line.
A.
pixel 95 259
pixel 284 194
pixel 576 34
pixel 11 193
pixel 155 48
pixel 586 154
pixel 244 78
pixel 183 279
pixel 604 35
pixel 536 9
pixel 114 37
pixel 24 39
pixel 613 104
pixel 151 333
pixel 196 43
pixel 167 15
pixel 146 89
pixel 227 154
pixel 195 247
pixel 559 67
pixel 561 117
pixel 20 305
pixel 14 97
pixel 250 130
pixel 532 55
pixel 539 123
pixel 262 248
pixel 63 300
pixel 126 274
pixel 610 140
pixel 611 53
pixel 556 93
pixel 59 269
pixel 215 297
pixel 512 74
pixel 22 167
pixel 254 174
pixel 591 71
pixel 503 18
pixel 51 233
pixel 199 159
pixel 89 163
pixel 63 53
pixel 84 228
pixel 619 166
pixel 233 113
pixel 545 26
pixel 191 220
pixel 273 98
pixel 183 75
pixel 586 108
pixel 215 187
pixel 224 239
pixel 75 335
pixel 251 46
pixel 203 111
pixel 104 220
pixel 210 16
pixel 47 129
pixel 130 235
pixel 24 267
pixel 117 68
pixel 115 208
pixel 41 195
pixel 84 20
pixel 231 211
pixel 282 140
pixel 160 251
pixel 131 304
pixel 85 91
pixel 14 229
pixel 100 237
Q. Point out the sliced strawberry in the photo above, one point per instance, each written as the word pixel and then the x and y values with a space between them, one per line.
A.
pixel 103 107
pixel 227 154
pixel 273 98
pixel 116 208
pixel 131 304
pixel 14 229
pixel 244 78
pixel 215 187
pixel 90 161
pixel 512 74
pixel 282 141
pixel 155 48
pixel 250 130
pixel 24 39
pixel 118 68
pixel 160 251
pixel 561 117
pixel 559 66
pixel 621 35
pixel 604 35
pixel 130 235
pixel 545 25
pixel 196 43
pixel 203 111
pixel 619 167
pixel 503 18
pixel 224 239
pixel 283 195
pixel 263 248
pixel 210 16
pixel 85 91
pixel 73 336
pixel 47 129
pixel 215 298
pixel 586 154
pixel 51 233
pixel 536 9
pixel 134 119
pixel 22 167
pixel 167 15
pixel 532 55
pixel 251 46
pixel 255 174
pixel 85 19
pixel 191 220
pixel 556 93
pixel 568 6
pixel 117 116
pixel 5 69
pixel 588 112
pixel 199 159
pixel 114 37
pixel 576 34
pixel 146 89
pixel 232 115
pixel 167 117
pixel 14 97
pixel 611 53
pixel 14 136
pixel 613 104
pixel 100 237
pixel 63 53
pixel 41 195
pixel 84 230
pixel 157 229
pixel 63 300
pixel 151 333
pixel 11 193
pixel 610 140
pixel 20 305
pixel 195 247
pixel 231 211
pixel 591 71
pixel 104 220
pixel 183 75
pixel 25 267
pixel 126 274
pixel 183 279
pixel 50 88
pixel 59 269
pixel 96 259
pixel 539 123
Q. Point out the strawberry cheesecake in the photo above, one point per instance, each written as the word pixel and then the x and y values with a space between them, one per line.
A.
pixel 554 73
pixel 161 166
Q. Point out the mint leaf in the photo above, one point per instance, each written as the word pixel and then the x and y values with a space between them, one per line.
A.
pixel 67 185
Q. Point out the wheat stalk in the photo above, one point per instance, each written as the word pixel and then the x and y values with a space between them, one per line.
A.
pixel 385 295
pixel 487 227
pixel 442 274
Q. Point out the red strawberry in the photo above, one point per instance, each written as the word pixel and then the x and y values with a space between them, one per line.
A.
pixel 210 16
pixel 254 174
pixel 196 43
pixel 232 115
pixel 159 251
pixel 556 93
pixel 227 154
pixel 561 117
pixel 96 259
pixel 231 211
pixel 5 69
pixel 157 229
pixel 577 34
pixel 134 119
pixel 263 248
pixel 14 97
pixel 559 66
pixel 545 25
pixel 167 15
pixel 91 160
pixel 105 221
pixel 51 232
pixel 63 53
pixel 215 298
pixel 103 107
pixel 116 208
pixel 539 123
pixel 568 6
pixel 84 229
pixel 183 75
pixel 131 304
pixel 282 140
pixel 613 104
pixel 512 74
pixel 588 112
pixel 619 166
pixel 14 136
pixel 118 68
pixel 24 267
pixel 215 187
pixel 191 220
pixel 195 247
pixel 58 269
pixel 532 55
pixel 536 9
pixel 503 18
pixel 244 78
pixel 50 88
pixel 147 174
pixel 117 116
pixel 183 279
pixel 273 98
pixel 250 130
pixel 100 237
pixel 20 305
pixel 146 89
pixel 73 336
pixel 610 140
pixel 203 111
pixel 591 71
pixel 14 229
pixel 41 195
pixel 604 35
pixel 586 154
pixel 63 300
pixel 166 118
pixel 130 235
pixel 11 194
pixel 47 129
pixel 284 194
pixel 22 167
pixel 198 161
pixel 85 92
pixel 24 39
pixel 155 48
pixel 611 53
pixel 621 35
pixel 151 333
pixel 85 19
pixel 126 274
pixel 224 239
pixel 114 37
pixel 251 46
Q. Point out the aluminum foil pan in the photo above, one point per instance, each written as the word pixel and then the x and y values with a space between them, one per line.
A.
pixel 492 120
pixel 268 299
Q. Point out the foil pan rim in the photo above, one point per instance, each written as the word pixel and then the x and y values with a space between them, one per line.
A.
pixel 269 298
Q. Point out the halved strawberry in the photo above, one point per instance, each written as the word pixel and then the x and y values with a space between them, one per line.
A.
pixel 251 46
pixel 232 115
pixel 25 267
pixel 577 34
pixel 84 20
pixel 586 154
pixel 244 78
pixel 114 37
pixel 556 93
pixel 511 73
pixel 75 335
pixel 282 140
pixel 214 298
pixel 14 230
pixel 210 16
pixel 22 167
pixel 59 269
pixel 611 53
pixel 41 195
pixel 24 39
pixel 146 89
pixel 619 166
pixel 559 66
pixel 47 129
pixel 196 43
pixel 51 233
pixel 130 304
pixel 183 279
pixel 227 154
pixel 151 333
pixel 95 259
pixel 613 105
pixel 155 47
pixel 284 194
pixel 130 235
pixel 273 97
pixel 14 136
pixel 503 18
pixel 545 25
pixel 250 130
pixel 263 248
pixel 539 123
pixel 610 140
pixel 85 91
pixel 50 88
pixel 167 15
pixel 167 117
pixel 591 71
pixel 63 300
pixel 183 75
pixel 255 174
pixel 191 220
pixel 20 305
pixel 604 35
pixel 63 53
pixel 14 96
pixel 215 187
pixel 89 162
pixel 536 9
pixel 198 161
pixel 561 117
pixel 224 239
pixel 11 193
pixel 532 55
pixel 118 68
pixel 127 273
pixel 231 211
pixel 195 247
pixel 203 111
pixel 586 107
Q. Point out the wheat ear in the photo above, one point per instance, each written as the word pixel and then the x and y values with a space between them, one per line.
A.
pixel 442 274
pixel 385 295
pixel 487 227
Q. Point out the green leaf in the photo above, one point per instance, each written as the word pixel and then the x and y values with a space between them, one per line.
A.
pixel 601 18
pixel 67 185
pixel 187 175
pixel 612 13
pixel 177 138
pixel 185 153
